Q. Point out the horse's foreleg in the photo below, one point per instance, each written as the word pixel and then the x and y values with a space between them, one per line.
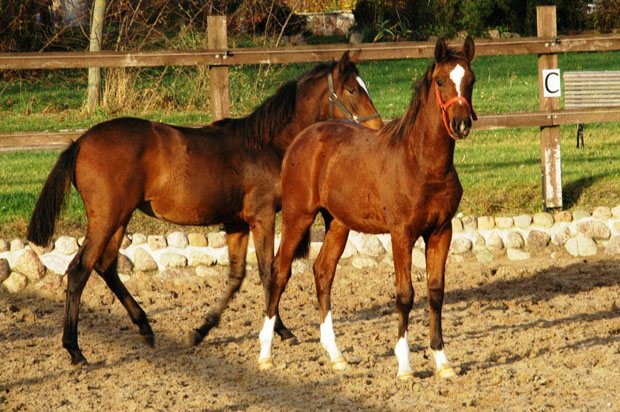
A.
pixel 402 243
pixel 437 246
pixel 324 271
pixel 263 234
pixel 293 230
pixel 107 269
pixel 237 242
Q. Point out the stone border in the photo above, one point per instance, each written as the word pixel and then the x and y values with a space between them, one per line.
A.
pixel 580 232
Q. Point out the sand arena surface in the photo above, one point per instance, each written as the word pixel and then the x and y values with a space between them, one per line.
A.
pixel 537 335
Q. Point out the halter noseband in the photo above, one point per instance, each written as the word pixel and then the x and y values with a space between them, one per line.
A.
pixel 333 99
pixel 443 107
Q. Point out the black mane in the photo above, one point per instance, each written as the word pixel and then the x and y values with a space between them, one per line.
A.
pixel 270 118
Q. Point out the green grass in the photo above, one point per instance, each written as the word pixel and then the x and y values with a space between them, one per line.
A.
pixel 501 174
pixel 499 169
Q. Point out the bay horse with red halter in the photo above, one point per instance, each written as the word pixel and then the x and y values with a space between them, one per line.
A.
pixel 399 180
pixel 227 172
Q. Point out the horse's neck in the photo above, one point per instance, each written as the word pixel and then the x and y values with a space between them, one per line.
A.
pixel 429 142
pixel 282 140
pixel 306 113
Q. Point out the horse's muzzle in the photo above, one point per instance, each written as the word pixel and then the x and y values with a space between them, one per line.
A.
pixel 461 126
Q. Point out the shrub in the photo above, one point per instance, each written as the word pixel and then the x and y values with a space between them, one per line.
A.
pixel 23 24
pixel 447 17
pixel 606 16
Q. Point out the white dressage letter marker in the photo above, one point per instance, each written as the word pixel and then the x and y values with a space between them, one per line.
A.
pixel 551 82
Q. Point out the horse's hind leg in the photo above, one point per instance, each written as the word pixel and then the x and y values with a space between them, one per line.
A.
pixel 77 274
pixel 263 233
pixel 107 268
pixel 237 242
pixel 293 230
pixel 324 271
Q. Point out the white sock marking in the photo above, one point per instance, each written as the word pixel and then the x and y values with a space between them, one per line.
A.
pixel 328 338
pixel 361 82
pixel 440 359
pixel 457 75
pixel 402 354
pixel 266 338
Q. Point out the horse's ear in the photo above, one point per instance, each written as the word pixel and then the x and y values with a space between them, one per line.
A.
pixel 355 56
pixel 441 50
pixel 469 50
pixel 344 62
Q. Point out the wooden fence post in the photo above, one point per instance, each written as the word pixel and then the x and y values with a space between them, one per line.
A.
pixel 550 161
pixel 218 75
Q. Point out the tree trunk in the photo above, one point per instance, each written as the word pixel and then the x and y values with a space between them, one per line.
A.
pixel 94 73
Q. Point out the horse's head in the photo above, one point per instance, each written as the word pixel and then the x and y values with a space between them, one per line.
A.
pixel 348 96
pixel 453 83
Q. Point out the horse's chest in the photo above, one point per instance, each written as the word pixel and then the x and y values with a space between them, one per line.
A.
pixel 437 202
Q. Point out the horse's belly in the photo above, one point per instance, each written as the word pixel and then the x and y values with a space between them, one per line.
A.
pixel 360 212
pixel 192 208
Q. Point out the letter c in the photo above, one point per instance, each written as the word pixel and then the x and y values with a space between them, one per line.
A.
pixel 547 82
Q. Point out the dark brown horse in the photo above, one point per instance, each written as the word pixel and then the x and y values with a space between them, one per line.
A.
pixel 400 179
pixel 227 172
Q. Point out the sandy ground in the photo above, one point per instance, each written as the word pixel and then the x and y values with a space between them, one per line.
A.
pixel 537 335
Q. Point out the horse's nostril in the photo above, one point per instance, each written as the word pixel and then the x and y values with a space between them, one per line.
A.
pixel 468 122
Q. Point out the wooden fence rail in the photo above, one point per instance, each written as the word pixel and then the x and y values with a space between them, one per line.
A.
pixel 52 140
pixel 298 54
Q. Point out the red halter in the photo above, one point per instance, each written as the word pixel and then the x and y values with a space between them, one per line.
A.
pixel 443 107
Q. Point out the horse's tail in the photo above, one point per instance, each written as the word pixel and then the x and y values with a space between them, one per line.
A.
pixel 52 198
pixel 303 247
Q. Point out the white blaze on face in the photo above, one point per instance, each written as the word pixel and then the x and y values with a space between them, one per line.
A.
pixel 361 82
pixel 457 75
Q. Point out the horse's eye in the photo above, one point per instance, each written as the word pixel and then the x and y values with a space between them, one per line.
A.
pixel 439 83
pixel 352 91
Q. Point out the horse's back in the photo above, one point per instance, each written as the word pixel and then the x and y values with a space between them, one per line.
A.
pixel 179 174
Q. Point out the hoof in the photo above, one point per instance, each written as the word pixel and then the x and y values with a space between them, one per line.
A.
pixel 446 372
pixel 285 334
pixel 292 341
pixel 264 364
pixel 149 340
pixel 194 338
pixel 79 363
pixel 405 376
pixel 78 360
pixel 339 364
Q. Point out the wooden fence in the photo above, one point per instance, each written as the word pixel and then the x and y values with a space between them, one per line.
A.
pixel 218 57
